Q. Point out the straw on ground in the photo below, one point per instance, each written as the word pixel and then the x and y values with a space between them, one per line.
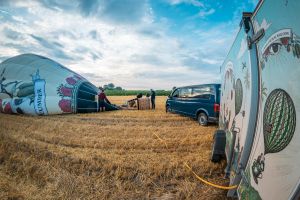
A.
pixel 109 155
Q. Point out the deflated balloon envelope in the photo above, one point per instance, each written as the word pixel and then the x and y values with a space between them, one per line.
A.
pixel 36 85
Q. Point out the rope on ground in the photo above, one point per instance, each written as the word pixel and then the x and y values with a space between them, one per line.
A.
pixel 163 141
pixel 209 183
pixel 198 177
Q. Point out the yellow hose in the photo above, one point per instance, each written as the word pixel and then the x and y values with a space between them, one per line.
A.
pixel 198 177
pixel 209 183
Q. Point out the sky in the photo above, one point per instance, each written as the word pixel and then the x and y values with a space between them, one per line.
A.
pixel 135 44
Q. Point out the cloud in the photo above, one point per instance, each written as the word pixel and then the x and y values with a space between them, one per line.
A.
pixel 4 12
pixel 95 77
pixel 14 35
pixel 116 11
pixel 195 3
pixel 179 76
pixel 45 42
pixel 59 5
pixel 89 7
pixel 150 32
pixel 150 59
pixel 54 47
pixel 4 3
pixel 204 13
pixel 213 45
pixel 124 11
pixel 117 41
pixel 112 11
pixel 94 34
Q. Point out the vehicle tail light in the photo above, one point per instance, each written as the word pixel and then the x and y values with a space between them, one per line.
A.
pixel 216 107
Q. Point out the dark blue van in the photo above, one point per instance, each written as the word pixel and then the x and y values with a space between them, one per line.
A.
pixel 197 101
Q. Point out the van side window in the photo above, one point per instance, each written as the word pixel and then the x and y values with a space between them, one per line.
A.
pixel 175 93
pixel 202 92
pixel 185 92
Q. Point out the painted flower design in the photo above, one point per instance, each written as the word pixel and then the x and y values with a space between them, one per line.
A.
pixel 7 108
pixel 71 80
pixel 65 91
pixel 65 105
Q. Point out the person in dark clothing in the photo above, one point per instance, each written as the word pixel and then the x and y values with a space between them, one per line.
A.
pixel 102 100
pixel 152 94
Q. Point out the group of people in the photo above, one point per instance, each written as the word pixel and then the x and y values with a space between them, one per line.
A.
pixel 102 99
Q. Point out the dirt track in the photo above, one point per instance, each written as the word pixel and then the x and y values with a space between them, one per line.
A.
pixel 109 155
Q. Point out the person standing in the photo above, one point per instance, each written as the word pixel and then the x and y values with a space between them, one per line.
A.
pixel 152 94
pixel 102 100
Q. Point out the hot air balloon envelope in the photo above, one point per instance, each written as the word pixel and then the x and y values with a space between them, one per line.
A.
pixel 36 85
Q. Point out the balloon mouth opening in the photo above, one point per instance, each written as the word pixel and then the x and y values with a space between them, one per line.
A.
pixel 86 98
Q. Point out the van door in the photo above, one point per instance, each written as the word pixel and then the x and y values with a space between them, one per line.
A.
pixel 183 101
pixel 273 168
pixel 173 100
pixel 202 98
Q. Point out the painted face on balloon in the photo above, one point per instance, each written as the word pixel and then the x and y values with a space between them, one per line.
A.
pixel 284 39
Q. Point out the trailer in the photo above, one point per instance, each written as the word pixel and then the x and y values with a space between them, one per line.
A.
pixel 260 104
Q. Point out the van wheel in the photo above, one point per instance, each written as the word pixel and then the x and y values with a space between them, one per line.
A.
pixel 202 119
pixel 168 109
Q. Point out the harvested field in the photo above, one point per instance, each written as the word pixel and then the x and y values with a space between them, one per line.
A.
pixel 109 155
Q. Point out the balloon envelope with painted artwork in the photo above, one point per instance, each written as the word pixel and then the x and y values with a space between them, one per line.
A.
pixel 36 85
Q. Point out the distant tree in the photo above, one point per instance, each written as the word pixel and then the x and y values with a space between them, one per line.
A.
pixel 111 86
pixel 118 88
pixel 105 87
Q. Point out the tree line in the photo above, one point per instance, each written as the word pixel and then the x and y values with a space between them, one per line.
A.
pixel 112 90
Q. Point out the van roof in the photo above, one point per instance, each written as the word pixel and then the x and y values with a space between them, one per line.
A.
pixel 217 84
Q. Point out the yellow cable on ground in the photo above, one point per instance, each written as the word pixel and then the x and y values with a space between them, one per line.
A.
pixel 209 183
pixel 161 140
pixel 198 177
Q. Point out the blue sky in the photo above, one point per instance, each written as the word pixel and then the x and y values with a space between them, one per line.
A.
pixel 135 44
